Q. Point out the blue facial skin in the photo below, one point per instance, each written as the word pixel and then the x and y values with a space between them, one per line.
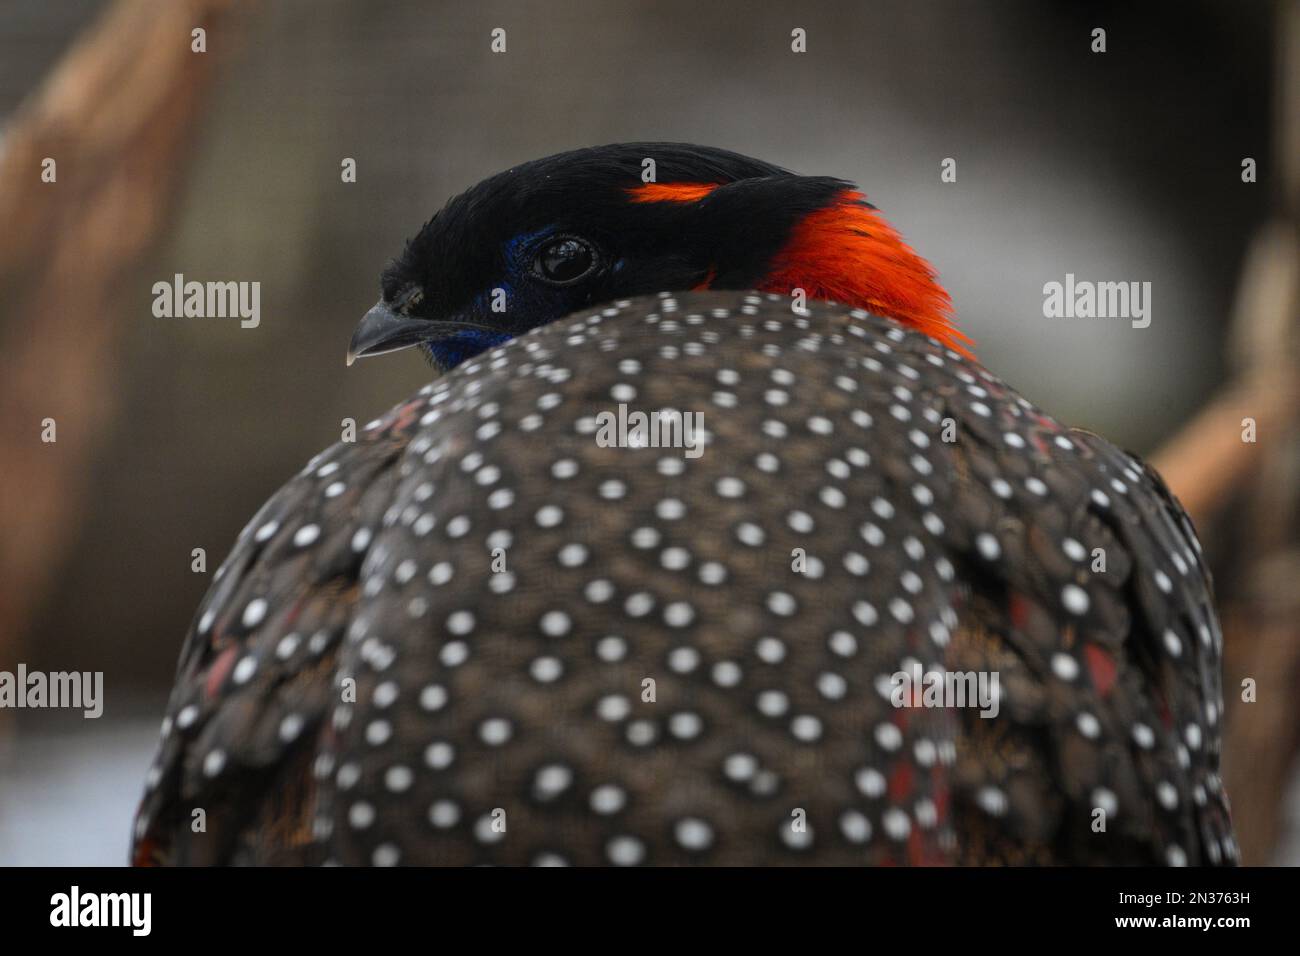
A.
pixel 517 258
pixel 450 352
pixel 521 243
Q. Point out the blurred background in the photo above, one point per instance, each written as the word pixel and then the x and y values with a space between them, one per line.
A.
pixel 225 165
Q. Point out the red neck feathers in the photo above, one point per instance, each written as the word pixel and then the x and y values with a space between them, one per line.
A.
pixel 848 253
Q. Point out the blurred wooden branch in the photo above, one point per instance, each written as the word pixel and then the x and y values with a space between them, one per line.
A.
pixel 117 115
pixel 1208 460
pixel 1248 495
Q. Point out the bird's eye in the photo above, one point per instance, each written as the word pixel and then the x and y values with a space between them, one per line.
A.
pixel 565 260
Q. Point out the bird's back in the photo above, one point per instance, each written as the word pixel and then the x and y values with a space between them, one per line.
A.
pixel 482 633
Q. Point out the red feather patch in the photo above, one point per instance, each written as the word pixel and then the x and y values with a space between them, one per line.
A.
pixel 848 253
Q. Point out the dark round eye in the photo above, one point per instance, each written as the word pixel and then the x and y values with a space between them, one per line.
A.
pixel 565 260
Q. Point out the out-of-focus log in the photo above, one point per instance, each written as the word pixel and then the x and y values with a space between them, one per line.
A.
pixel 1245 497
pixel 1206 462
pixel 117 116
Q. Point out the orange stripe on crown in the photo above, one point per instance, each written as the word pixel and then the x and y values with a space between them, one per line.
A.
pixel 849 253
pixel 671 192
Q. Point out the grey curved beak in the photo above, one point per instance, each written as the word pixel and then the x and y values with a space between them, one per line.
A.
pixel 383 330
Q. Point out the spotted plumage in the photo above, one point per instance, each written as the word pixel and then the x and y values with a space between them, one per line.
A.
pixel 479 635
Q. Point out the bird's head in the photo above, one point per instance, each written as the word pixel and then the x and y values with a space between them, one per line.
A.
pixel 546 238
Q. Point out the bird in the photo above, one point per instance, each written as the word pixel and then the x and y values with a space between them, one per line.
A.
pixel 854 601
